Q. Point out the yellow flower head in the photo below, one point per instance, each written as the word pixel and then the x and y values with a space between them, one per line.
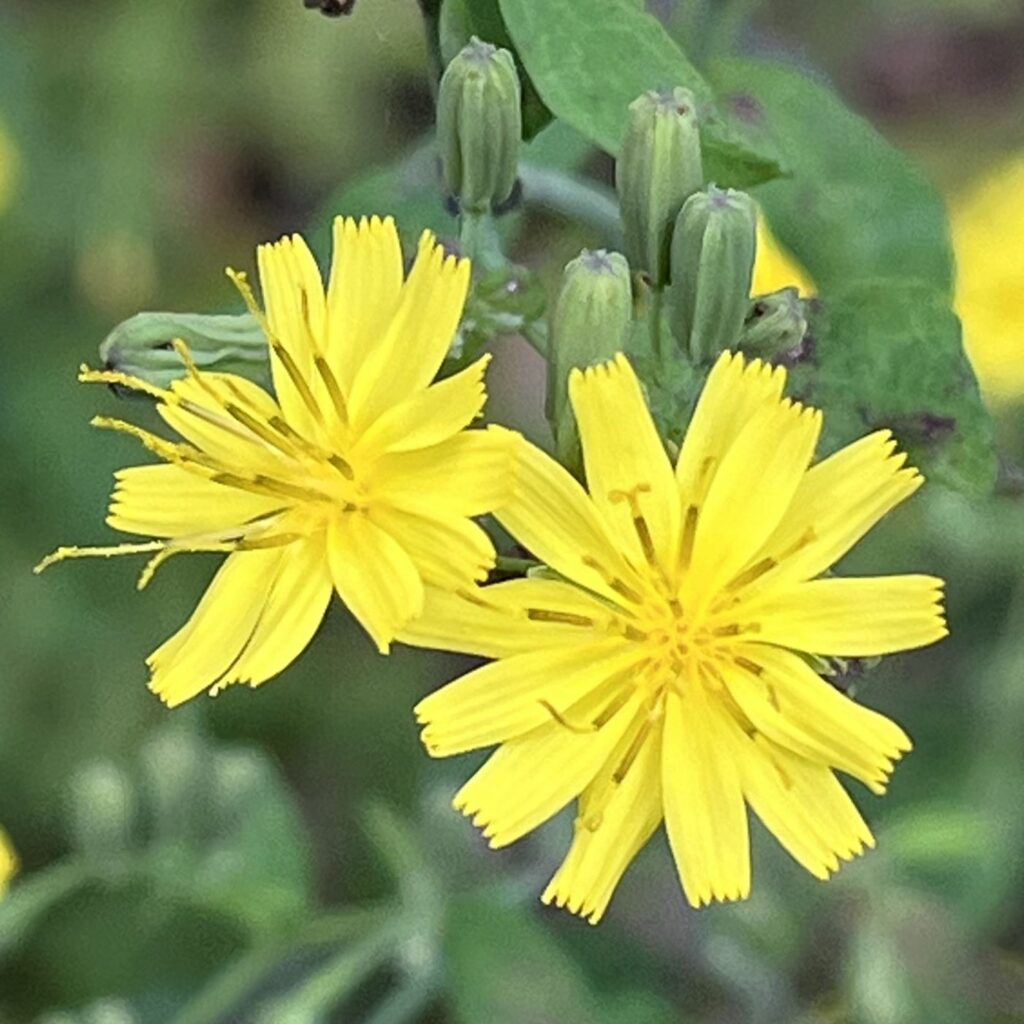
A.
pixel 659 672
pixel 988 238
pixel 776 268
pixel 8 862
pixel 359 477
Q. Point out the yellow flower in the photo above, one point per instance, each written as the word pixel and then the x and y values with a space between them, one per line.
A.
pixel 358 478
pixel 8 862
pixel 988 239
pixel 659 671
pixel 776 267
pixel 8 169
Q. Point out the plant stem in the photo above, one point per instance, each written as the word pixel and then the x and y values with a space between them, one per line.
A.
pixel 654 311
pixel 432 26
pixel 574 198
pixel 479 240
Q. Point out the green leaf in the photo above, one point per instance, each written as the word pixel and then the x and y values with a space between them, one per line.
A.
pixel 589 59
pixel 888 353
pixel 483 18
pixel 854 206
pixel 409 190
pixel 495 955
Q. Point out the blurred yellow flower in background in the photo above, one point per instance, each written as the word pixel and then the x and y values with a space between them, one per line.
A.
pixel 660 672
pixel 8 862
pixel 988 239
pixel 359 477
pixel 8 169
pixel 776 267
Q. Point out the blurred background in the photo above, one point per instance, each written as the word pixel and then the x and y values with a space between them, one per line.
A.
pixel 288 854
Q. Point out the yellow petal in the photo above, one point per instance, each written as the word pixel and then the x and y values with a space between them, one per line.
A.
pixel 509 618
pixel 735 390
pixel 374 575
pixel 858 617
pixel 787 701
pixel 204 422
pixel 8 862
pixel 629 475
pixel 209 644
pixel 449 552
pixel 803 805
pixel 705 815
pixel 837 502
pixel 467 475
pixel 293 294
pixel 615 821
pixel 409 353
pixel 531 778
pixel 507 698
pixel 553 517
pixel 168 501
pixel 750 492
pixel 430 416
pixel 292 614
pixel 365 282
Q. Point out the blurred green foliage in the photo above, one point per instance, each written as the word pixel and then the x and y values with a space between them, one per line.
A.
pixel 288 855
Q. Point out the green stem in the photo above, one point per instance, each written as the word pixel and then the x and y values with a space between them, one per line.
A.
pixel 478 239
pixel 574 198
pixel 654 311
pixel 432 26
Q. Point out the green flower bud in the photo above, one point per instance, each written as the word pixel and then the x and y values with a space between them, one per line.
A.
pixel 658 169
pixel 774 324
pixel 590 323
pixel 713 247
pixel 479 126
pixel 102 810
pixel 143 346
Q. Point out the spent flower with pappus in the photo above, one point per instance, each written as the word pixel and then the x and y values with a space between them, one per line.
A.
pixel 988 228
pixel 8 862
pixel 659 670
pixel 358 477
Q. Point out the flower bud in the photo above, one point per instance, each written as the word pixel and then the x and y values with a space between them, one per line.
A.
pixel 658 168
pixel 102 810
pixel 590 323
pixel 774 324
pixel 713 247
pixel 143 346
pixel 479 126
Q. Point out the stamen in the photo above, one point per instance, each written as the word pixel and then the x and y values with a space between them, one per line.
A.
pixel 807 537
pixel 631 632
pixel 64 553
pixel 241 282
pixel 127 380
pixel 343 467
pixel 261 484
pixel 262 431
pixel 567 618
pixel 168 450
pixel 297 379
pixel 640 524
pixel 749 575
pixel 333 388
pixel 615 705
pixel 612 581
pixel 689 533
pixel 750 666
pixel 632 751
pixel 580 730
